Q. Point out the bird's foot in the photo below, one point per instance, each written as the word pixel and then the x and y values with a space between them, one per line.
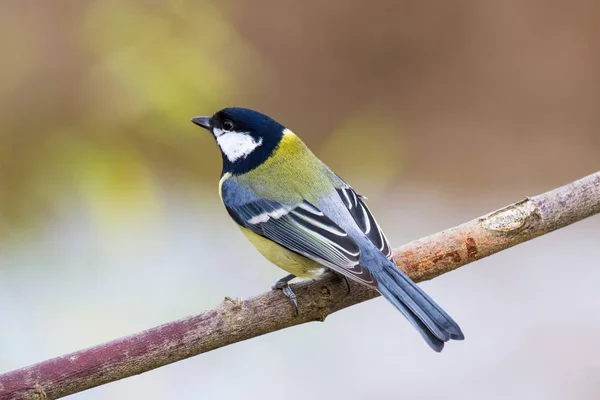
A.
pixel 284 286
pixel 346 281
pixel 347 285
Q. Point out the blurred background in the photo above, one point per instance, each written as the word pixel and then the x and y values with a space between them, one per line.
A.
pixel 110 222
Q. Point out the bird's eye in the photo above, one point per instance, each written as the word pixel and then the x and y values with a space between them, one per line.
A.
pixel 227 125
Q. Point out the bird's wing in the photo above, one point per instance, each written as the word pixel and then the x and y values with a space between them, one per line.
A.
pixel 301 228
pixel 363 217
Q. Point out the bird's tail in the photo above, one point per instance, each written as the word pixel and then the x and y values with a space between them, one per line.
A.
pixel 431 321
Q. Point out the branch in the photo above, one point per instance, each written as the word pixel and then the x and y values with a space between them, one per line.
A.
pixel 235 320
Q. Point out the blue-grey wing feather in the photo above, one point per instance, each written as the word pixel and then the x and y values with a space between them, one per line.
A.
pixel 363 217
pixel 302 228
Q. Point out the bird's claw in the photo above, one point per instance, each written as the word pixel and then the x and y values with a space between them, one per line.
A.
pixel 287 290
pixel 347 285
pixel 289 293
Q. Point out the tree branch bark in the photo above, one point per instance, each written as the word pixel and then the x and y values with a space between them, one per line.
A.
pixel 235 320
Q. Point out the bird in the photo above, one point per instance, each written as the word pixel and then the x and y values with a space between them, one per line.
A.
pixel 305 219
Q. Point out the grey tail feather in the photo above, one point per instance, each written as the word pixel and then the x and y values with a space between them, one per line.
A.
pixel 424 314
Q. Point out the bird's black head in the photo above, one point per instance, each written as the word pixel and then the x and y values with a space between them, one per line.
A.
pixel 246 137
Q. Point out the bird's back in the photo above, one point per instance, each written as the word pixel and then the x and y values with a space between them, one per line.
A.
pixel 291 169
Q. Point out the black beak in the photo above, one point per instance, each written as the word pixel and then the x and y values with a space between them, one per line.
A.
pixel 203 122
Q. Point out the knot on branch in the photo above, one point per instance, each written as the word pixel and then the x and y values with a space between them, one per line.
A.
pixel 512 219
pixel 40 393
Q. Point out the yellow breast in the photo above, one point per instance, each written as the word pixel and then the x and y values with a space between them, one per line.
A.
pixel 283 258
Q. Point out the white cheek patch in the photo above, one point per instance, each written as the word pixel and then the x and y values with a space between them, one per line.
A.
pixel 218 132
pixel 236 145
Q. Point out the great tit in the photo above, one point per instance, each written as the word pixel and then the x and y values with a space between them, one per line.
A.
pixel 305 219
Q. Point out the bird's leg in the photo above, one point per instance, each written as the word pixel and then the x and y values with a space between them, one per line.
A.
pixel 284 286
pixel 341 276
pixel 347 284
